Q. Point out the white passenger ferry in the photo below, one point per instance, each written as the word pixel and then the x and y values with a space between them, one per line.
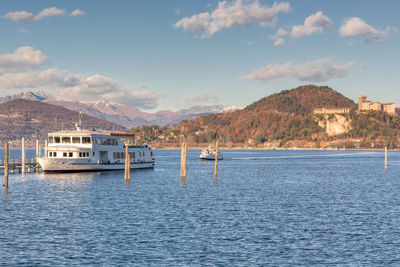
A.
pixel 209 153
pixel 84 150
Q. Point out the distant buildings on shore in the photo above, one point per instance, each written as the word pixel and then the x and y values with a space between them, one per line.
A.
pixel 363 105
pixel 331 110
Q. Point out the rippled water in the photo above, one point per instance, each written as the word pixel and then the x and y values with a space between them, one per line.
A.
pixel 302 208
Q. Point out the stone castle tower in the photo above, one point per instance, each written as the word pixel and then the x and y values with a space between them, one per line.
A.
pixel 364 104
pixel 361 99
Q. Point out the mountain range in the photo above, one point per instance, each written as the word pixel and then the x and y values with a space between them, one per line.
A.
pixel 284 119
pixel 127 116
pixel 33 120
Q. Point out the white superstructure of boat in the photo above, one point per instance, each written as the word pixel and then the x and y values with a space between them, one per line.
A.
pixel 209 153
pixel 85 150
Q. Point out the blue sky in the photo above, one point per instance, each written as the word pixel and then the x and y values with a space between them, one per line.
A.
pixel 159 55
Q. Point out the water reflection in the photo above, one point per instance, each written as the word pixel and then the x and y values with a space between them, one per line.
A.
pixel 69 176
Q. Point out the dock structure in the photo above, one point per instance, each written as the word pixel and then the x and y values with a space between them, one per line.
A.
pixel 11 167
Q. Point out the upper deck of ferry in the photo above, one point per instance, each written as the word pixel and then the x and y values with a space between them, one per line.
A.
pixel 86 138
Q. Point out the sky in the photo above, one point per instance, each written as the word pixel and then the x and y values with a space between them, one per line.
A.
pixel 163 54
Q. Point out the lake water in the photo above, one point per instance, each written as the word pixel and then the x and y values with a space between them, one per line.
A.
pixel 302 208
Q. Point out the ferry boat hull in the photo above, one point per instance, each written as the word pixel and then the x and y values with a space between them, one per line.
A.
pixel 60 165
pixel 210 157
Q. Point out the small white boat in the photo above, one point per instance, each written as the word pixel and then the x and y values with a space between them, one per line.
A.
pixel 84 150
pixel 209 153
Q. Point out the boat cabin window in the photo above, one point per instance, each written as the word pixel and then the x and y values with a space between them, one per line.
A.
pixel 83 154
pixel 51 139
pixel 76 140
pixel 57 139
pixel 65 154
pixel 121 155
pixel 66 140
pixel 106 142
pixel 52 154
pixel 70 154
pixel 86 140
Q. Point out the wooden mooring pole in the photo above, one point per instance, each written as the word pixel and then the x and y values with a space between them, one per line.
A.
pixel 183 159
pixel 37 149
pixel 45 148
pixel 127 164
pixel 386 159
pixel 6 154
pixel 23 155
pixel 216 159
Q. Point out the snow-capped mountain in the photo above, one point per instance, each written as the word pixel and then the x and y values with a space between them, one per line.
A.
pixel 124 115
pixel 29 95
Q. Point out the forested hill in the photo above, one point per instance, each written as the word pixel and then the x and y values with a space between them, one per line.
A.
pixel 302 100
pixel 282 116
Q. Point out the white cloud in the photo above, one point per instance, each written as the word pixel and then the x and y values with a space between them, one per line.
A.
pixel 315 23
pixel 235 14
pixel 199 22
pixel 19 16
pixel 15 74
pixel 313 71
pixel 50 12
pixel 23 15
pixel 77 12
pixel 202 98
pixel 23 58
pixel 357 27
pixel 73 87
pixel 279 41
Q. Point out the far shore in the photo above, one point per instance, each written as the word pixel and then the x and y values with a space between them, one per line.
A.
pixel 248 148
pixel 280 148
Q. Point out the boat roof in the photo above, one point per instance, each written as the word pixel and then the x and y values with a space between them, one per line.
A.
pixel 91 132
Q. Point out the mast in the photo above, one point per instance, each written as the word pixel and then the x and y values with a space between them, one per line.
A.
pixel 80 119
pixel 79 124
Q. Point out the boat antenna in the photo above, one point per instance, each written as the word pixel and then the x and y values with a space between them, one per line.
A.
pixel 80 121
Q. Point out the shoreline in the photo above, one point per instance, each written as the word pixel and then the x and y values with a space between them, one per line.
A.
pixel 300 149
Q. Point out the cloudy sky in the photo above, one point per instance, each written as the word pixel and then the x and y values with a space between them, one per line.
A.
pixel 173 54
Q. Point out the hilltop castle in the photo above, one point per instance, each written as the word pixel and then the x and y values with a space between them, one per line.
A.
pixel 364 105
